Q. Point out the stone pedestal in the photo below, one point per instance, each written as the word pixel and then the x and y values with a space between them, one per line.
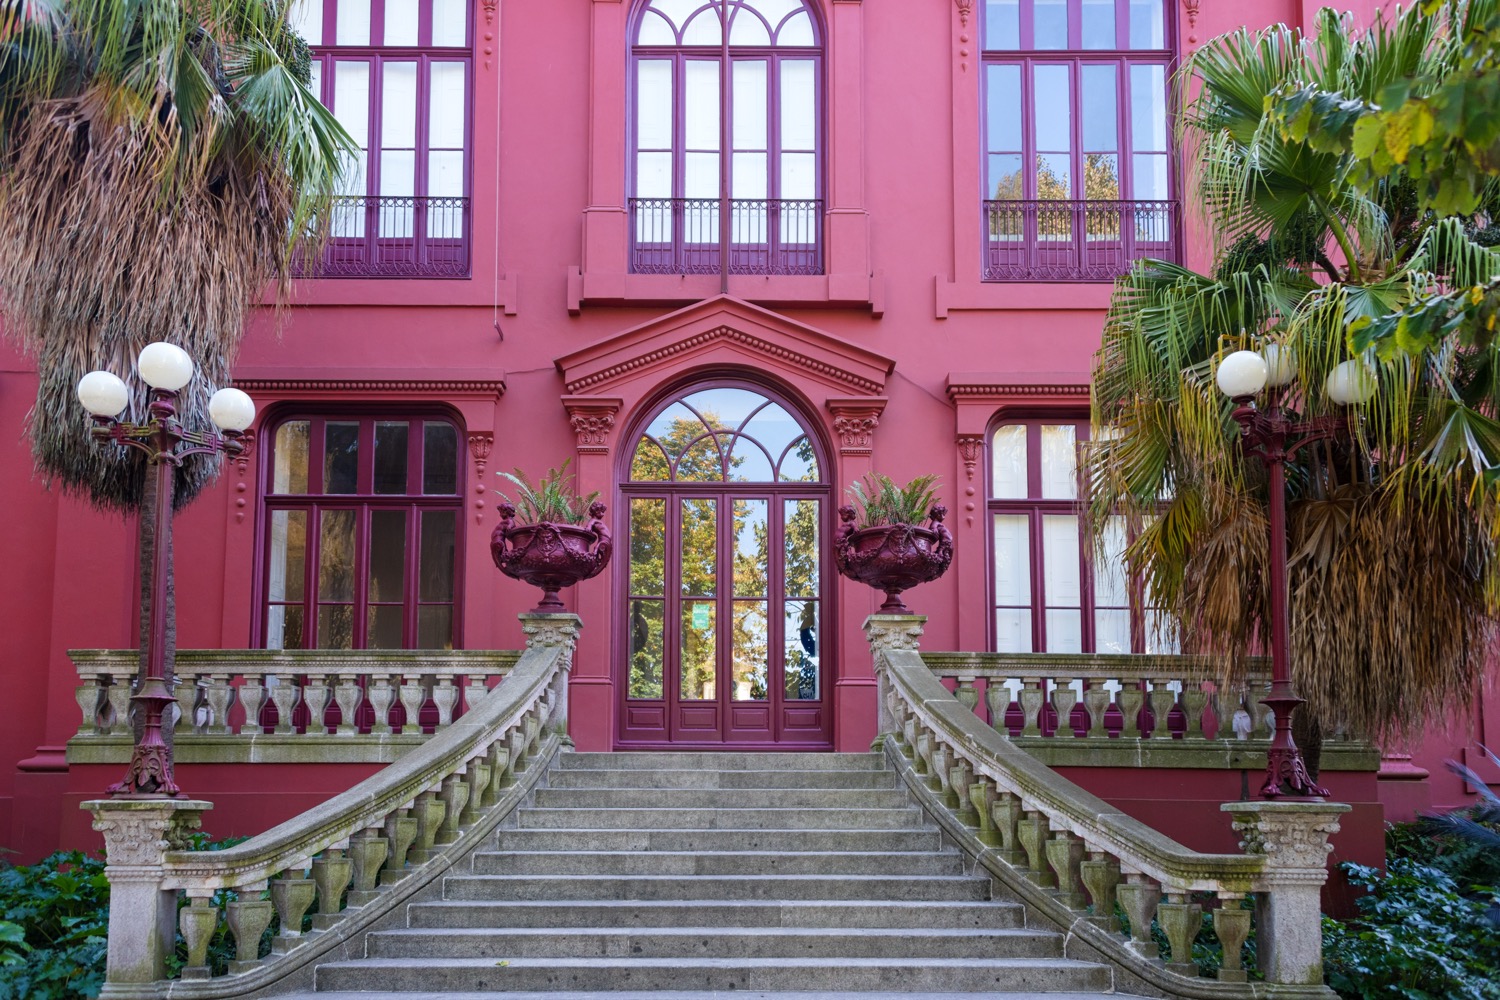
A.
pixel 142 915
pixel 1293 838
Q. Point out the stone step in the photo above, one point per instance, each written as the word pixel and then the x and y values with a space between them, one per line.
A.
pixel 707 974
pixel 767 887
pixel 720 819
pixel 721 798
pixel 783 841
pixel 845 914
pixel 563 862
pixel 713 942
pixel 713 760
pixel 678 777
pixel 630 994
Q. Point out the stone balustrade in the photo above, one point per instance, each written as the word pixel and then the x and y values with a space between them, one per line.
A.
pixel 1080 860
pixel 368 704
pixel 1098 710
pixel 336 869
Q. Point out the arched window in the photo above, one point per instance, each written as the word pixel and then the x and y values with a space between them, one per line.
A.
pixel 1076 158
pixel 1052 593
pixel 755 91
pixel 724 592
pixel 363 521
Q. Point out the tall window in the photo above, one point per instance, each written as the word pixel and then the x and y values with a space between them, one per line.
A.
pixel 363 517
pixel 1052 592
pixel 397 75
pixel 726 125
pixel 1078 179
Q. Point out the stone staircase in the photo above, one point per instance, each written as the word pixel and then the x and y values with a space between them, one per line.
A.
pixel 709 872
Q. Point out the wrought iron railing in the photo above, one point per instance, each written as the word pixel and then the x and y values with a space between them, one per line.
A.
pixel 1075 240
pixel 396 237
pixel 682 235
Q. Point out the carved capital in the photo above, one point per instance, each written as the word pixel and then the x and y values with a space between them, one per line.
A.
pixel 855 420
pixel 1292 836
pixel 891 633
pixel 592 417
pixel 139 832
pixel 970 448
pixel 551 630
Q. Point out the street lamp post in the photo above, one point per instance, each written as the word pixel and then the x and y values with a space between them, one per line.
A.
pixel 1274 435
pixel 166 368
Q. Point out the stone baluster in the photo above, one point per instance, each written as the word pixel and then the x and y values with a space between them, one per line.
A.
pixel 252 695
pixel 1181 920
pixel 533 724
pixel 1132 697
pixel 1006 813
pixel 367 852
pixel 316 695
pixel 960 777
pixel 382 696
pixel 1065 855
pixel 997 699
pixel 500 776
pixel 1162 700
pixel 1194 701
pixel 1033 832
pixel 118 697
pixel 966 695
pixel 292 894
pixel 515 745
pixel 478 780
pixel 413 695
pixel 248 919
pixel 1096 700
pixel 1031 707
pixel 219 696
pixel 347 695
pixel 400 834
pixel 186 692
pixel 198 921
pixel 909 741
pixel 1101 875
pixel 474 692
pixel 430 811
pixel 1292 837
pixel 1139 897
pixel 455 795
pixel 982 800
pixel 1063 699
pixel 444 696
pixel 89 694
pixel 924 752
pixel 284 694
pixel 937 778
pixel 1232 926
pixel 331 870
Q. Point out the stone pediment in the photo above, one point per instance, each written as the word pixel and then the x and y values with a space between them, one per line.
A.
pixel 724 332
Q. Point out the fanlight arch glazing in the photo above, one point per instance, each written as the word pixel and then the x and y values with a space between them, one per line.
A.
pixel 752 24
pixel 725 435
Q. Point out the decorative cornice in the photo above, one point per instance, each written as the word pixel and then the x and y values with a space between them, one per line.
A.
pixel 958 390
pixel 734 336
pixel 480 443
pixel 494 387
pixel 592 417
pixel 855 420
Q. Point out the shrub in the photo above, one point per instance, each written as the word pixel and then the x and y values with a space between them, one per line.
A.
pixel 53 925
pixel 1417 938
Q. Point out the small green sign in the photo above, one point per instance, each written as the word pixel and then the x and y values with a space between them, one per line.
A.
pixel 700 616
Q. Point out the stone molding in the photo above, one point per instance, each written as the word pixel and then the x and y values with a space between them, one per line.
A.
pixel 970 449
pixel 592 418
pixel 1292 836
pixel 139 832
pixel 329 386
pixel 894 632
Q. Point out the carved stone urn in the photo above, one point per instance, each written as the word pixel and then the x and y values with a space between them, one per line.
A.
pixel 893 557
pixel 551 556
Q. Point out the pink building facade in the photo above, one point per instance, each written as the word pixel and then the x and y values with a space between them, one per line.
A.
pixel 725 273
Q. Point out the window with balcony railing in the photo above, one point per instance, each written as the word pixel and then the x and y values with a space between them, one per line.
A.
pixel 726 138
pixel 1078 178
pixel 397 74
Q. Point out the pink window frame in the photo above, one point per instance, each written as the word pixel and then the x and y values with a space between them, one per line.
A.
pixel 1034 507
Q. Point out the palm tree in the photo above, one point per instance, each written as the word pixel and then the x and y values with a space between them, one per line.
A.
pixel 1395 580
pixel 161 161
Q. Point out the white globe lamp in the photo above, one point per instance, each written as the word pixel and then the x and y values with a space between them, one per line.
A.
pixel 1350 383
pixel 165 366
pixel 102 394
pixel 1242 373
pixel 1281 365
pixel 231 410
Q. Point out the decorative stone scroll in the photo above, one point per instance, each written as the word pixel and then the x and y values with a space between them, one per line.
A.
pixel 970 449
pixel 855 420
pixel 480 443
pixel 592 417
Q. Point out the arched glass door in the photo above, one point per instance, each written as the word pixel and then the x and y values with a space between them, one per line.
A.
pixel 724 625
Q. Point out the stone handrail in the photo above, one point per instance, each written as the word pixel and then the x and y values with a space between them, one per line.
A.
pixel 1122 696
pixel 413 815
pixel 1074 855
pixel 211 682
